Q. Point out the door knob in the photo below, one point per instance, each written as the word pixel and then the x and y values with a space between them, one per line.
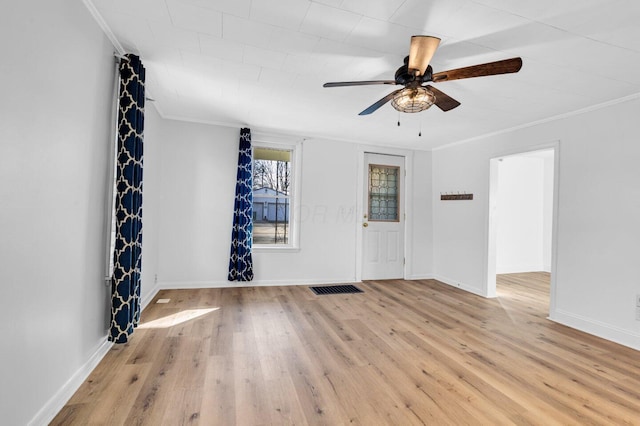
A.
pixel 365 224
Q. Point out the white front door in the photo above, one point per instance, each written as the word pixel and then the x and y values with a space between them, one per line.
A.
pixel 383 218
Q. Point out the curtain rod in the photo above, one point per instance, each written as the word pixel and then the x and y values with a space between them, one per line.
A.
pixel 124 58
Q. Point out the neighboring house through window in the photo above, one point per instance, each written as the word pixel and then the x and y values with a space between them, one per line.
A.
pixel 273 195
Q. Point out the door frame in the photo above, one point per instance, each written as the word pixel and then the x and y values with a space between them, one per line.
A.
pixel 406 205
pixel 491 225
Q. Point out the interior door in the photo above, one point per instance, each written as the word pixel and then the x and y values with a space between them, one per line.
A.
pixel 383 218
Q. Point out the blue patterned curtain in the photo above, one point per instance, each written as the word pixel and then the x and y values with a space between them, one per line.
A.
pixel 125 289
pixel 240 262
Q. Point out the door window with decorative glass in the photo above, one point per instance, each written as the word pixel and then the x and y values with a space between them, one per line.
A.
pixel 384 190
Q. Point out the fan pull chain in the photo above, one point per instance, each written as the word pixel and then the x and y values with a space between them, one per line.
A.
pixel 420 132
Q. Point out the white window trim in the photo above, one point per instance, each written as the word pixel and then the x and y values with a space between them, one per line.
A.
pixel 294 197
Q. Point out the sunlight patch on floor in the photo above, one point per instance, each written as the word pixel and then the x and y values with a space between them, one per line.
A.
pixel 177 318
pixel 506 309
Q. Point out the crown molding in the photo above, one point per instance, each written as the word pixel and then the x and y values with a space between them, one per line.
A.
pixel 543 121
pixel 104 26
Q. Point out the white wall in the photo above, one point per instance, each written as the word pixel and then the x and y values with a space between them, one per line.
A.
pixel 195 206
pixel 420 241
pixel 598 231
pixel 151 180
pixel 56 91
pixel 522 214
pixel 547 213
pixel 327 220
pixel 197 171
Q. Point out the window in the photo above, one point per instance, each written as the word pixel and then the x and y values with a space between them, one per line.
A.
pixel 383 193
pixel 273 196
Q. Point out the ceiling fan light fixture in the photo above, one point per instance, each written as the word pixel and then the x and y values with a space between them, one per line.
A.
pixel 413 99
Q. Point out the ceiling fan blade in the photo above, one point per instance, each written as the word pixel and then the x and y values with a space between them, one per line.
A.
pixel 358 83
pixel 443 101
pixel 421 51
pixel 381 102
pixel 492 68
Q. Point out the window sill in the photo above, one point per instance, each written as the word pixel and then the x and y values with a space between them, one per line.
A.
pixel 275 249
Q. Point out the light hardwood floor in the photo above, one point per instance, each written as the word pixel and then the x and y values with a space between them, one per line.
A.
pixel 402 353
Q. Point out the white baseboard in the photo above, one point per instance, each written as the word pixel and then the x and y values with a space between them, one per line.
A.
pixel 597 328
pixel 420 277
pixel 176 285
pixel 62 396
pixel 514 269
pixel 149 298
pixel 461 286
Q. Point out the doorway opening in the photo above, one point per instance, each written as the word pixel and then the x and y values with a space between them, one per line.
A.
pixel 522 208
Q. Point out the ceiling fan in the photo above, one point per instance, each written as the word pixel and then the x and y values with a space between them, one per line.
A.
pixel 417 96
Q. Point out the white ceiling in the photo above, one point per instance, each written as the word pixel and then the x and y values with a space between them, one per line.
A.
pixel 262 63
